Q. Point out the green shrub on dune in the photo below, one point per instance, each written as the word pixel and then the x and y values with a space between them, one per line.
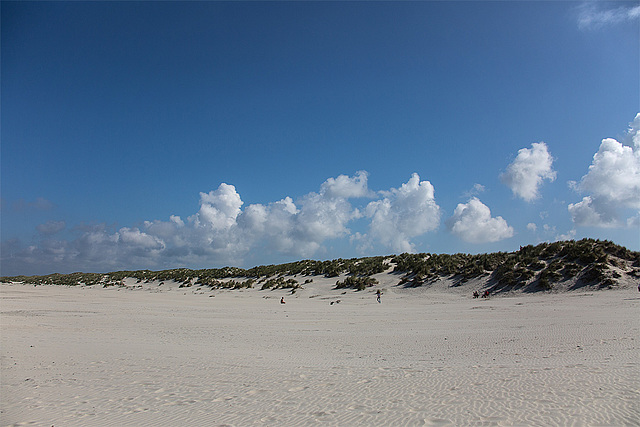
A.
pixel 357 283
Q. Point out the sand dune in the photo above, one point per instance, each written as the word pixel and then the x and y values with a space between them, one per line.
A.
pixel 163 355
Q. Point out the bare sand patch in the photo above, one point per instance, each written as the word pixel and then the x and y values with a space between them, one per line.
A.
pixel 162 355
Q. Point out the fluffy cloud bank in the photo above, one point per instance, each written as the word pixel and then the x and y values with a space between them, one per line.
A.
pixel 526 173
pixel 472 222
pixel 612 182
pixel 223 232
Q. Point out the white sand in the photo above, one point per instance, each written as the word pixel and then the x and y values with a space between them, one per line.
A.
pixel 88 356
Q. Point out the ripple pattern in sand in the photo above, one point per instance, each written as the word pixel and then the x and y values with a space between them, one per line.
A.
pixel 403 365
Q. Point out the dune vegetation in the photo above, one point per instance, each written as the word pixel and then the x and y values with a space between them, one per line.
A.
pixel 562 265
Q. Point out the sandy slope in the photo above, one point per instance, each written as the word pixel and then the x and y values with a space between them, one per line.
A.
pixel 161 355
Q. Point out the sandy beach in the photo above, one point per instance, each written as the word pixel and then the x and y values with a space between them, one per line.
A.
pixel 162 355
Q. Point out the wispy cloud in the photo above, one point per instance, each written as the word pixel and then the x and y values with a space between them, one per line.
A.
pixel 594 15
pixel 526 173
pixel 51 227
pixel 475 191
pixel 39 204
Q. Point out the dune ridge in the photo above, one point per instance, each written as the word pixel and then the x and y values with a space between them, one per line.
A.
pixel 586 264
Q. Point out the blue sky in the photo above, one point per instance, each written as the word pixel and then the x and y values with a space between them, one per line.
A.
pixel 168 134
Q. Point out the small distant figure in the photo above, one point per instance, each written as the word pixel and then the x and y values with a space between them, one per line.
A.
pixel 282 301
pixel 378 295
pixel 476 294
pixel 485 294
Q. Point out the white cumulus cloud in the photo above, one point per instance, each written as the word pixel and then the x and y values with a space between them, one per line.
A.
pixel 301 229
pixel 472 222
pixel 612 182
pixel 614 174
pixel 590 214
pixel 526 173
pixel 403 213
pixel 273 224
pixel 219 209
pixel 346 187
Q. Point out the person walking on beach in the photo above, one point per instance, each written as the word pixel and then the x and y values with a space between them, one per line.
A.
pixel 378 294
